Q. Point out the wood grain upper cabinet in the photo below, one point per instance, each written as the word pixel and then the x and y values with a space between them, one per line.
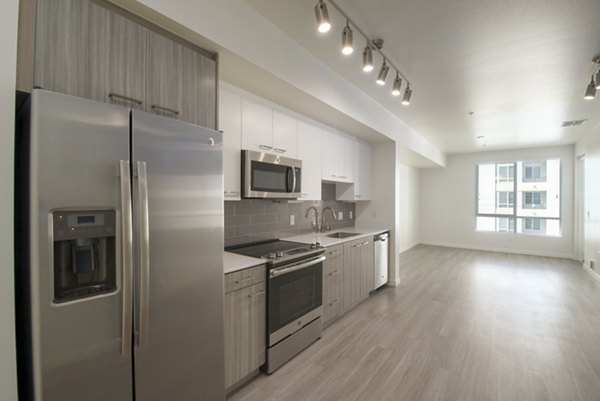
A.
pixel 72 48
pixel 85 49
pixel 181 82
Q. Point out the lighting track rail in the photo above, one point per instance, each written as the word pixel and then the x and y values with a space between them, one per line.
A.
pixel 324 25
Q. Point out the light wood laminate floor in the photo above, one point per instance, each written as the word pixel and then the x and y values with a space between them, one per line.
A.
pixel 463 325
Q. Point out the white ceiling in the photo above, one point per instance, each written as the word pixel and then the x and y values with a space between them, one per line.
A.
pixel 520 66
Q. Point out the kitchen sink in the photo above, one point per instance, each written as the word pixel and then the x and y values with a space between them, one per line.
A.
pixel 341 235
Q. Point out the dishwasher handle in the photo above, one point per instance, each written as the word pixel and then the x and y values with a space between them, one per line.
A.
pixel 382 237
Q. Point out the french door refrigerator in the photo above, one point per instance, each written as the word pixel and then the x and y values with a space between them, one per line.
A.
pixel 120 239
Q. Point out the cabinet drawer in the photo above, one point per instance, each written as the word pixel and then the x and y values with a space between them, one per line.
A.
pixel 334 251
pixel 244 278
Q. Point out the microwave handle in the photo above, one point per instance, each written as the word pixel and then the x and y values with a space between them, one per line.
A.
pixel 293 179
pixel 289 188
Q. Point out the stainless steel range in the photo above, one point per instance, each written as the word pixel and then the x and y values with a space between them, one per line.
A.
pixel 294 296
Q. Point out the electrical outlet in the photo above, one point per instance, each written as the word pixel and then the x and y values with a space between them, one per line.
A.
pixel 350 214
pixel 340 215
pixel 292 219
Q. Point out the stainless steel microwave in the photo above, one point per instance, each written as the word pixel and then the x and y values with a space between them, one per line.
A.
pixel 270 176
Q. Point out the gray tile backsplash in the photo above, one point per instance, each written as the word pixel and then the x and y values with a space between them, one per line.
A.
pixel 256 219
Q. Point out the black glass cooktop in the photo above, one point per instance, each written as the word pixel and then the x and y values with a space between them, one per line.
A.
pixel 263 249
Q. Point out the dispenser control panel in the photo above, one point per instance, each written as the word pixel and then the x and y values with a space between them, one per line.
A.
pixel 89 224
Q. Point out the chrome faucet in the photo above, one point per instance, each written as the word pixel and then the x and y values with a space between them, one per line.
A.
pixel 327 227
pixel 314 225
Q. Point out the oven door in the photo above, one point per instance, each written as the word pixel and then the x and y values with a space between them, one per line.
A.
pixel 295 295
pixel 270 176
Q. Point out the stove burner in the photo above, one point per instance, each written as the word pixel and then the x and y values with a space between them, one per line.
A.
pixel 275 250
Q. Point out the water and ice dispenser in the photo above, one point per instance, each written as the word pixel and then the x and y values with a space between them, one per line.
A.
pixel 85 260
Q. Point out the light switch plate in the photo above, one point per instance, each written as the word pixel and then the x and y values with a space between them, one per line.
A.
pixel 292 219
pixel 350 214
pixel 340 215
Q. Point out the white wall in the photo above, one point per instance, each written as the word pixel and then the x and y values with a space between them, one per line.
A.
pixel 590 147
pixel 382 211
pixel 8 46
pixel 408 206
pixel 448 205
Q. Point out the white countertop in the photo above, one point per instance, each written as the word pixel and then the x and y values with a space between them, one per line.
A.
pixel 233 262
pixel 326 241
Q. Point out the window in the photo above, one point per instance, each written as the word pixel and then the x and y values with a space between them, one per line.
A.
pixel 505 199
pixel 505 172
pixel 533 225
pixel 534 200
pixel 519 197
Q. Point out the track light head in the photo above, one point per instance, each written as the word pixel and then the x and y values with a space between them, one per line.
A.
pixel 367 59
pixel 347 48
pixel 598 79
pixel 383 72
pixel 397 85
pixel 590 92
pixel 323 22
pixel 407 95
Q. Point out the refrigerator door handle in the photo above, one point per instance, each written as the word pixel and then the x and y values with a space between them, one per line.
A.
pixel 144 256
pixel 127 237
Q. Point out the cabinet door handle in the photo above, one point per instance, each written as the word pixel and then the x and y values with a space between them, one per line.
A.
pixel 334 302
pixel 168 110
pixel 113 95
pixel 266 147
pixel 358 245
pixel 333 273
pixel 231 193
pixel 279 150
pixel 334 252
pixel 243 280
pixel 258 293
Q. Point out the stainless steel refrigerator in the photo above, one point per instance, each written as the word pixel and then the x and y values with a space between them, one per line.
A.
pixel 120 228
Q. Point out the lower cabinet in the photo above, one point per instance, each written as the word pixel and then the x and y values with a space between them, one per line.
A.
pixel 245 324
pixel 358 272
pixel 347 277
pixel 333 269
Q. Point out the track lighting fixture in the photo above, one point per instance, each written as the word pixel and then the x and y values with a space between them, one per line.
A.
pixel 598 80
pixel 373 45
pixel 407 95
pixel 347 48
pixel 323 22
pixel 397 85
pixel 383 72
pixel 590 93
pixel 367 59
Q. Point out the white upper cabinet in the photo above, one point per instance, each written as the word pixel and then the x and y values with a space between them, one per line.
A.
pixel 337 157
pixel 230 122
pixel 285 135
pixel 361 189
pixel 363 170
pixel 309 151
pixel 257 126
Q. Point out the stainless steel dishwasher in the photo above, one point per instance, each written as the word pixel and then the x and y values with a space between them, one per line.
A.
pixel 381 245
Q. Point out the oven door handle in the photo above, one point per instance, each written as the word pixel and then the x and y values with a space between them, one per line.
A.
pixel 285 270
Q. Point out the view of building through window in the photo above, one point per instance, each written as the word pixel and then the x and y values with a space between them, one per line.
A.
pixel 519 197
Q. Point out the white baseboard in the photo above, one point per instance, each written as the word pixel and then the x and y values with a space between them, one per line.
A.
pixel 502 250
pixel 592 273
pixel 408 247
pixel 394 283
